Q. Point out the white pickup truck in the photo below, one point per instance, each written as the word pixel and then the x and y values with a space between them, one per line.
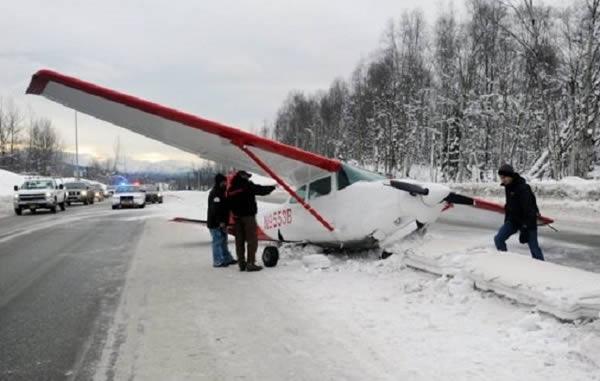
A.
pixel 39 193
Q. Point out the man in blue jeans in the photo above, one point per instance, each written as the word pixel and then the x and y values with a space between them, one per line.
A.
pixel 216 221
pixel 521 212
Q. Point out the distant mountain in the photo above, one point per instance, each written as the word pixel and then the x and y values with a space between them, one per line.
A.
pixel 130 165
pixel 164 166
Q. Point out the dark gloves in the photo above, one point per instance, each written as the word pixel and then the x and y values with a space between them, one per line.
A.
pixel 524 235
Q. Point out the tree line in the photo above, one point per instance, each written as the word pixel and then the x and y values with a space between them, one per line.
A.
pixel 28 144
pixel 512 82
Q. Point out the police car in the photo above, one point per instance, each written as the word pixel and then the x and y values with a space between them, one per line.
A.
pixel 128 196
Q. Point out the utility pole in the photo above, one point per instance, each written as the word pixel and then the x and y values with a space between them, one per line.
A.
pixel 76 149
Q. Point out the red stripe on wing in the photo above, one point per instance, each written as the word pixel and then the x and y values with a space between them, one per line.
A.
pixel 499 208
pixel 40 80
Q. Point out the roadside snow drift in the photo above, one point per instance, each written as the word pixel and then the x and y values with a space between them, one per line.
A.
pixel 565 292
pixel 7 182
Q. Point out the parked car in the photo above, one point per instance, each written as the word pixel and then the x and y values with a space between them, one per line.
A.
pixel 128 196
pixel 39 193
pixel 98 192
pixel 79 192
pixel 153 194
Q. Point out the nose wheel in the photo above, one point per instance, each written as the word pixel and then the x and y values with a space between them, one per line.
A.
pixel 270 256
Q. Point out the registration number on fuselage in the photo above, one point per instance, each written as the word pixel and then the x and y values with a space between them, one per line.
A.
pixel 278 218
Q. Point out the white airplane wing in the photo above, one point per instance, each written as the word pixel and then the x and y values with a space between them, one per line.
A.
pixel 207 139
pixel 210 140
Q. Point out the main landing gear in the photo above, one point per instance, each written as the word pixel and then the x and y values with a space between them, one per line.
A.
pixel 270 256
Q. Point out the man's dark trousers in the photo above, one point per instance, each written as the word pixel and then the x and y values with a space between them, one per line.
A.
pixel 509 229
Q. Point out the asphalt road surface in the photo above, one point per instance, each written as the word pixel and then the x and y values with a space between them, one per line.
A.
pixel 60 281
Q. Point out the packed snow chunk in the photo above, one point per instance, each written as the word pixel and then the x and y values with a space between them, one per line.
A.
pixel 316 261
pixel 565 292
pixel 530 323
pixel 437 255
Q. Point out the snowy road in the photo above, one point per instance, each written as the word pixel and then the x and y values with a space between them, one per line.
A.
pixel 127 295
pixel 60 281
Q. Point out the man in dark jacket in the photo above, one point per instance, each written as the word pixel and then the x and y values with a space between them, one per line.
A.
pixel 242 201
pixel 216 221
pixel 521 212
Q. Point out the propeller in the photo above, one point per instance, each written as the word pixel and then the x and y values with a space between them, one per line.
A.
pixel 413 189
pixel 459 199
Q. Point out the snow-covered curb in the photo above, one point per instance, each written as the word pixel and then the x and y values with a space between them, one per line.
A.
pixel 562 291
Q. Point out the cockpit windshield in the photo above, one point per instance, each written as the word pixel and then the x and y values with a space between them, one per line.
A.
pixel 349 174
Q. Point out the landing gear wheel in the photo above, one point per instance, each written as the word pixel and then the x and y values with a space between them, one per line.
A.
pixel 270 256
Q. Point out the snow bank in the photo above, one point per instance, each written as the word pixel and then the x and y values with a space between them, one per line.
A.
pixel 572 188
pixel 562 291
pixel 7 182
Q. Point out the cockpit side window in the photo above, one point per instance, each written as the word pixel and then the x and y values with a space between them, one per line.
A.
pixel 342 179
pixel 319 188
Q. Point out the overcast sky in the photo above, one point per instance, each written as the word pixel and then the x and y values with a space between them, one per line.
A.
pixel 230 61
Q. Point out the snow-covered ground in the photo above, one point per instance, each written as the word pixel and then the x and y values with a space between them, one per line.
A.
pixel 325 317
pixel 569 188
pixel 7 182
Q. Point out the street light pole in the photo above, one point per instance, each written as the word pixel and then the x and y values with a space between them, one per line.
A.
pixel 76 149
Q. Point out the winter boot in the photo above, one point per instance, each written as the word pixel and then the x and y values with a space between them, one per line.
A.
pixel 242 265
pixel 253 267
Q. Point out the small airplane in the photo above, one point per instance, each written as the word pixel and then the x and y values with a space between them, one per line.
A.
pixel 331 203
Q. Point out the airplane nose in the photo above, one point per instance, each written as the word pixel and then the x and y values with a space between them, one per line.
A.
pixel 437 193
pixel 431 194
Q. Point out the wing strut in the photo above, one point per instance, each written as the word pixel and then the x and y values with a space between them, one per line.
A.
pixel 285 186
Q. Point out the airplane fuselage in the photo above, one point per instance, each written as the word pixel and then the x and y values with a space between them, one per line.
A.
pixel 363 214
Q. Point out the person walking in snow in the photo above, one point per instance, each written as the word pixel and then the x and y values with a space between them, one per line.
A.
pixel 241 197
pixel 521 212
pixel 216 221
